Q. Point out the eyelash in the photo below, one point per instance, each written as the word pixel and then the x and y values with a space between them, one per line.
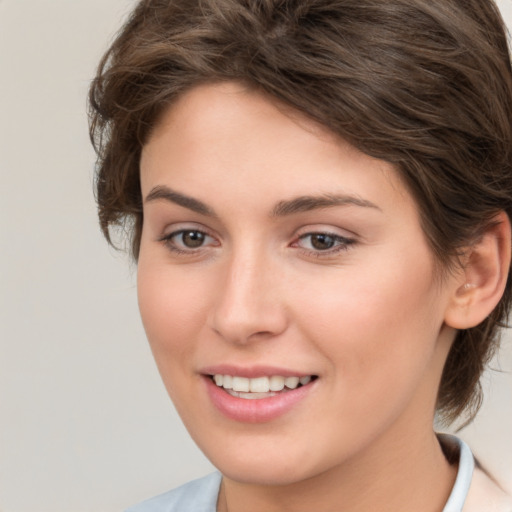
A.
pixel 171 245
pixel 341 243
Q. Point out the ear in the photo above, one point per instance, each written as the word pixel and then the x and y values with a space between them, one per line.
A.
pixel 482 281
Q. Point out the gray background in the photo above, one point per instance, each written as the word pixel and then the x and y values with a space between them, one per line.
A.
pixel 85 424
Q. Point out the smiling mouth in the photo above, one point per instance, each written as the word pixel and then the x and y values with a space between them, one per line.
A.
pixel 259 387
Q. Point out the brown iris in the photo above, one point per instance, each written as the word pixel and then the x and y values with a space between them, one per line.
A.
pixel 321 241
pixel 192 239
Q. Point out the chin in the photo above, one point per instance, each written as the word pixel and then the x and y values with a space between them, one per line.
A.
pixel 250 462
pixel 270 474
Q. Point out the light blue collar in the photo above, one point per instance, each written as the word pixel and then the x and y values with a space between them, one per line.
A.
pixel 460 490
pixel 201 495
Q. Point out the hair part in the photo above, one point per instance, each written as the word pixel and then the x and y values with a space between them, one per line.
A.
pixel 423 84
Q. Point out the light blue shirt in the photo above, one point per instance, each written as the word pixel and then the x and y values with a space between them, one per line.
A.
pixel 201 495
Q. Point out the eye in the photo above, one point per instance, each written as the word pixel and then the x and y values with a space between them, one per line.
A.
pixel 321 241
pixel 187 240
pixel 324 242
pixel 192 239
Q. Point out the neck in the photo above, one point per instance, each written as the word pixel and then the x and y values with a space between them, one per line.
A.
pixel 398 475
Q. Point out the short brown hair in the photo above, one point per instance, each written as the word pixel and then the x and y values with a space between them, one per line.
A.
pixel 423 84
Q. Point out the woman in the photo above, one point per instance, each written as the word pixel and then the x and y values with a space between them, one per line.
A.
pixel 319 195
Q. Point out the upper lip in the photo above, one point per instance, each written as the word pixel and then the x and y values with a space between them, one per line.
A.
pixel 252 372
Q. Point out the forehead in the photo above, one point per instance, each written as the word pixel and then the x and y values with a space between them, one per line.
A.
pixel 239 140
pixel 231 110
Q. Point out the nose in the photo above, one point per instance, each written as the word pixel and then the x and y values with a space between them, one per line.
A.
pixel 248 304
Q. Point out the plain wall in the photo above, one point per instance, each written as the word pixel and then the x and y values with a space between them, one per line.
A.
pixel 85 424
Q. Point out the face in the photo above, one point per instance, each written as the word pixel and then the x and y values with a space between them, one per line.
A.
pixel 286 288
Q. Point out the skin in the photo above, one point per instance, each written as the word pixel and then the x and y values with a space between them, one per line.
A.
pixel 367 316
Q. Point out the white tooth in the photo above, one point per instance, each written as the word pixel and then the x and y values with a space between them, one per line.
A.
pixel 259 385
pixel 276 383
pixel 241 384
pixel 250 396
pixel 227 382
pixel 291 382
pixel 218 380
pixel 305 380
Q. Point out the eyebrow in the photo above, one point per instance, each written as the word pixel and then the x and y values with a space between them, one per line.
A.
pixel 299 204
pixel 165 193
pixel 307 203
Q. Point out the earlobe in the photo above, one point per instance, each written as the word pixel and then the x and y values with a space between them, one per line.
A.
pixel 484 276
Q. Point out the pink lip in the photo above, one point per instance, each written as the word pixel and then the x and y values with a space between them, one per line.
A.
pixel 257 410
pixel 251 372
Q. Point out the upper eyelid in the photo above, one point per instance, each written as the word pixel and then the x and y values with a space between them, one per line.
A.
pixel 343 244
pixel 335 236
pixel 326 230
pixel 178 227
pixel 304 231
pixel 176 232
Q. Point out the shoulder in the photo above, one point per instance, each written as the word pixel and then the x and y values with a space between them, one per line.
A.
pixel 486 495
pixel 195 496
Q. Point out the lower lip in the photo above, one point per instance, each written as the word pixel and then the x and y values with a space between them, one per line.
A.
pixel 258 410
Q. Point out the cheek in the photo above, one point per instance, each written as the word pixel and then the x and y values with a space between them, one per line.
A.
pixel 171 313
pixel 377 328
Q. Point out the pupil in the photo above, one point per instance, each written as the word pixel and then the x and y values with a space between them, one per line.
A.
pixel 193 239
pixel 322 242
